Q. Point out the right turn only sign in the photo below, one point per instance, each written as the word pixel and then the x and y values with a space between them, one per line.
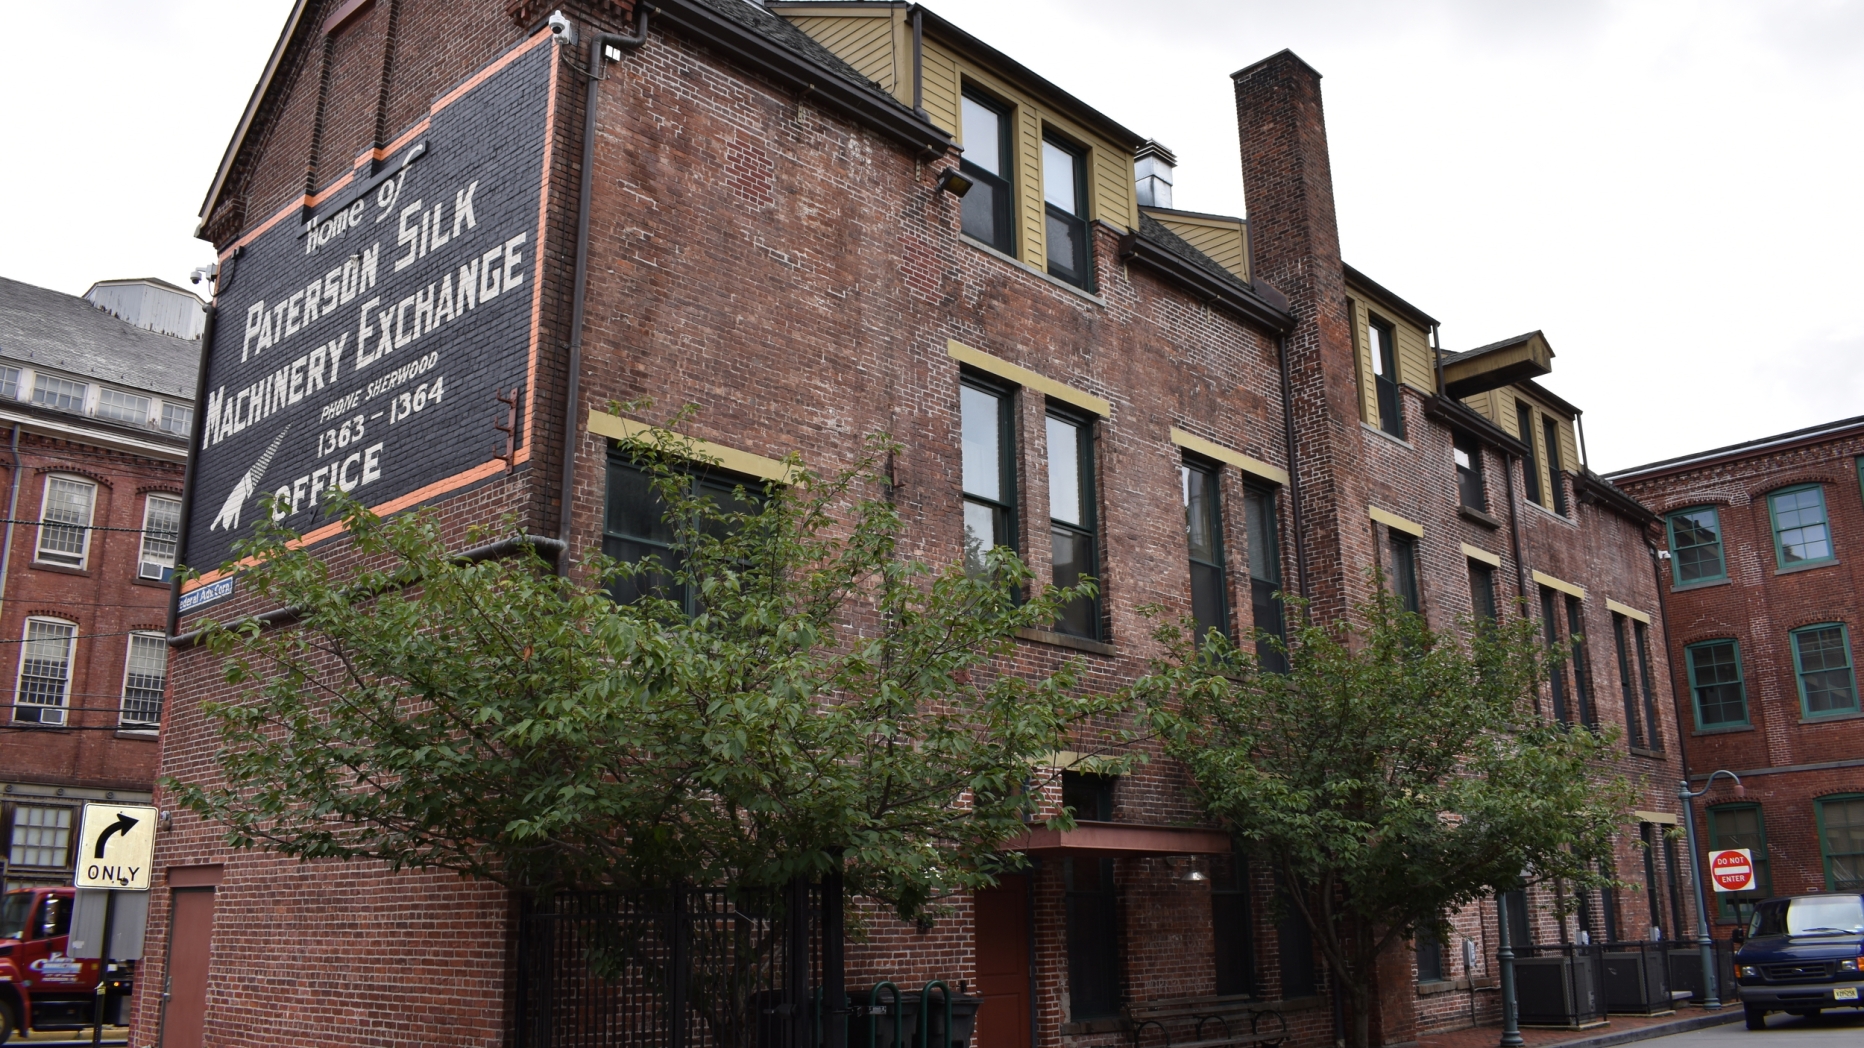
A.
pixel 116 843
pixel 1731 869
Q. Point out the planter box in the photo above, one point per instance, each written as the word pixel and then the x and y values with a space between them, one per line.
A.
pixel 1686 970
pixel 1637 978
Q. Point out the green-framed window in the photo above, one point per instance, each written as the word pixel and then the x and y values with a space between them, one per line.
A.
pixel 1841 839
pixel 1715 682
pixel 1822 664
pixel 1801 532
pixel 1696 546
pixel 1741 826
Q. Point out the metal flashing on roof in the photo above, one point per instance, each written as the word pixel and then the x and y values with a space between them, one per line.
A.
pixel 1167 254
pixel 1397 305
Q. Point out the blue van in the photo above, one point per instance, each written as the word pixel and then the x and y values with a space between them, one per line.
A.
pixel 1801 955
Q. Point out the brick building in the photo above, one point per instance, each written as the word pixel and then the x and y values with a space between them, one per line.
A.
pixel 97 396
pixel 776 232
pixel 1762 581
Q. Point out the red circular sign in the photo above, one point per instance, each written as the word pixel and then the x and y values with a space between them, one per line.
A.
pixel 1732 870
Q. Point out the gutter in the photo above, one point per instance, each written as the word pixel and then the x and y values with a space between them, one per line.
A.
pixel 599 44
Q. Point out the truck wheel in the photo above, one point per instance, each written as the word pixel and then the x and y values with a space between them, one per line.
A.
pixel 7 1023
pixel 1756 1018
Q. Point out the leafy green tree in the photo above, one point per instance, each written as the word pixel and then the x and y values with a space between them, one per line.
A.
pixel 819 698
pixel 1391 774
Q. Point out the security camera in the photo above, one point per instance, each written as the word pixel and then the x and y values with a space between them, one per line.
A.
pixel 204 272
pixel 562 28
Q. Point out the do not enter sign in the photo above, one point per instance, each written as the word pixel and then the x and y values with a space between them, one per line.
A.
pixel 1732 869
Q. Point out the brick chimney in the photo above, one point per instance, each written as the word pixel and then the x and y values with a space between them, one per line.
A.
pixel 1295 243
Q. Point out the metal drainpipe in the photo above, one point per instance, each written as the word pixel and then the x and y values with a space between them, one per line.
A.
pixel 1579 423
pixel 1294 483
pixel 1436 346
pixel 12 504
pixel 1514 528
pixel 1663 612
pixel 919 79
pixel 599 44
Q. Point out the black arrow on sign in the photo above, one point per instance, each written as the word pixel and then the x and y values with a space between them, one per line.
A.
pixel 123 825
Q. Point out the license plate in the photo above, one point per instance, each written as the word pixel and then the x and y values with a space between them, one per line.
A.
pixel 1845 993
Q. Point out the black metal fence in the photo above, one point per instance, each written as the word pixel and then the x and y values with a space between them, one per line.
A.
pixel 678 968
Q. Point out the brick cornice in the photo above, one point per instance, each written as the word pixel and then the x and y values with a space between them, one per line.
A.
pixel 527 13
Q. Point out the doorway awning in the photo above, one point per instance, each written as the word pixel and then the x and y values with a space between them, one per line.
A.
pixel 1120 839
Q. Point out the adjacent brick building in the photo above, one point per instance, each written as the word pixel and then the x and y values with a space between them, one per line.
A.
pixel 1762 577
pixel 96 395
pixel 776 234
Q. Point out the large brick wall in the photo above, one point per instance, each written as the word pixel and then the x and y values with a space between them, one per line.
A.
pixel 1786 759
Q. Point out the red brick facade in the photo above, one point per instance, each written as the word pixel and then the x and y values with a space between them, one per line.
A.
pixel 1793 758
pixel 801 279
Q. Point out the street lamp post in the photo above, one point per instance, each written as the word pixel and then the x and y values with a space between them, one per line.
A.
pixel 1504 956
pixel 1710 998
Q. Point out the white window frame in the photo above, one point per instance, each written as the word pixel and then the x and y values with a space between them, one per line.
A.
pixel 164 563
pixel 64 558
pixel 63 706
pixel 124 720
pixel 69 829
pixel 142 419
pixel 161 417
pixel 43 379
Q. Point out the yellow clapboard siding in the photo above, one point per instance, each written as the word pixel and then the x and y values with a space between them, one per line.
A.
pixel 864 41
pixel 1112 198
pixel 1224 240
pixel 939 74
pixel 1414 363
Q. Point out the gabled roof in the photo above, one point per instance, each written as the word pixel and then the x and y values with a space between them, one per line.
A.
pixel 1520 359
pixel 1387 299
pixel 45 328
pixel 1170 256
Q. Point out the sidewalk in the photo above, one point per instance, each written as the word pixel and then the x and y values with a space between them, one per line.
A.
pixel 1620 1030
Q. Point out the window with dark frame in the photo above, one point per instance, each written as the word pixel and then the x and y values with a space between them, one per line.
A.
pixel 1608 904
pixel 1091 905
pixel 1741 826
pixel 1203 521
pixel 1648 693
pixel 1064 196
pixel 1470 492
pixel 1696 546
pixel 1653 899
pixel 990 206
pixel 1090 797
pixel 1715 683
pixel 1071 519
pixel 1232 925
pixel 1429 950
pixel 1550 628
pixel 1530 467
pixel 1404 568
pixel 1265 576
pixel 1550 430
pixel 988 465
pixel 1295 952
pixel 1841 839
pixel 1634 720
pixel 1582 666
pixel 635 527
pixel 1482 591
pixel 1382 343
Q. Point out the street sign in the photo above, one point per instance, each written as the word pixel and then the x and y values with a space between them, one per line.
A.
pixel 1731 869
pixel 116 843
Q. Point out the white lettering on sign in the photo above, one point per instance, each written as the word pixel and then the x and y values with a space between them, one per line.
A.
pixel 1731 869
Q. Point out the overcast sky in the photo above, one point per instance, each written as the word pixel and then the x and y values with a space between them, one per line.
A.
pixel 1670 190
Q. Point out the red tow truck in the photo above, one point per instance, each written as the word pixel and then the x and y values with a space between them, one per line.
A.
pixel 41 986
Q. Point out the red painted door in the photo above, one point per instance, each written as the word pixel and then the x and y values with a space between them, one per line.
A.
pixel 1002 937
pixel 190 941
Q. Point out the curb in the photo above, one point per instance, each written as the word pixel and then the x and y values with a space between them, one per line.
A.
pixel 1695 1022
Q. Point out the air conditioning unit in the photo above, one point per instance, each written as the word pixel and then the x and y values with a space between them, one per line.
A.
pixel 52 715
pixel 151 570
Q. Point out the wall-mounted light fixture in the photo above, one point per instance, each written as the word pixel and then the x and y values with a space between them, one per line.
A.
pixel 954 183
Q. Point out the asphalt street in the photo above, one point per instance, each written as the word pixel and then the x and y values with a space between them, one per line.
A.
pixel 1828 1030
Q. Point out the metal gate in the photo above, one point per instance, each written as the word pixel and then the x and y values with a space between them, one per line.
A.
pixel 677 968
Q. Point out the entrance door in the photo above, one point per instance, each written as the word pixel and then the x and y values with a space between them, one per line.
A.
pixel 1002 936
pixel 190 941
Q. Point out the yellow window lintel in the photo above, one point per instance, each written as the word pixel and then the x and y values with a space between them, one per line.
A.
pixel 1661 818
pixel 1478 553
pixel 1022 376
pixel 1395 522
pixel 1214 450
pixel 1627 611
pixel 1560 584
pixel 614 427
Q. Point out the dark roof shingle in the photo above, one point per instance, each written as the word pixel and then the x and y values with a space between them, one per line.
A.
pixel 51 329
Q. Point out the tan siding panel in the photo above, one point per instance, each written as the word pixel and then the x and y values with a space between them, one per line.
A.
pixel 864 42
pixel 1362 356
pixel 1035 233
pixel 1223 243
pixel 1414 367
pixel 1113 188
pixel 940 76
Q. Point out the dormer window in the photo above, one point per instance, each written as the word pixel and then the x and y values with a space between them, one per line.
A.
pixel 9 383
pixel 124 407
pixel 58 393
pixel 1064 194
pixel 987 207
pixel 1382 342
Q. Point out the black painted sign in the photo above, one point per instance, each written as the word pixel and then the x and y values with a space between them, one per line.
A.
pixel 363 346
